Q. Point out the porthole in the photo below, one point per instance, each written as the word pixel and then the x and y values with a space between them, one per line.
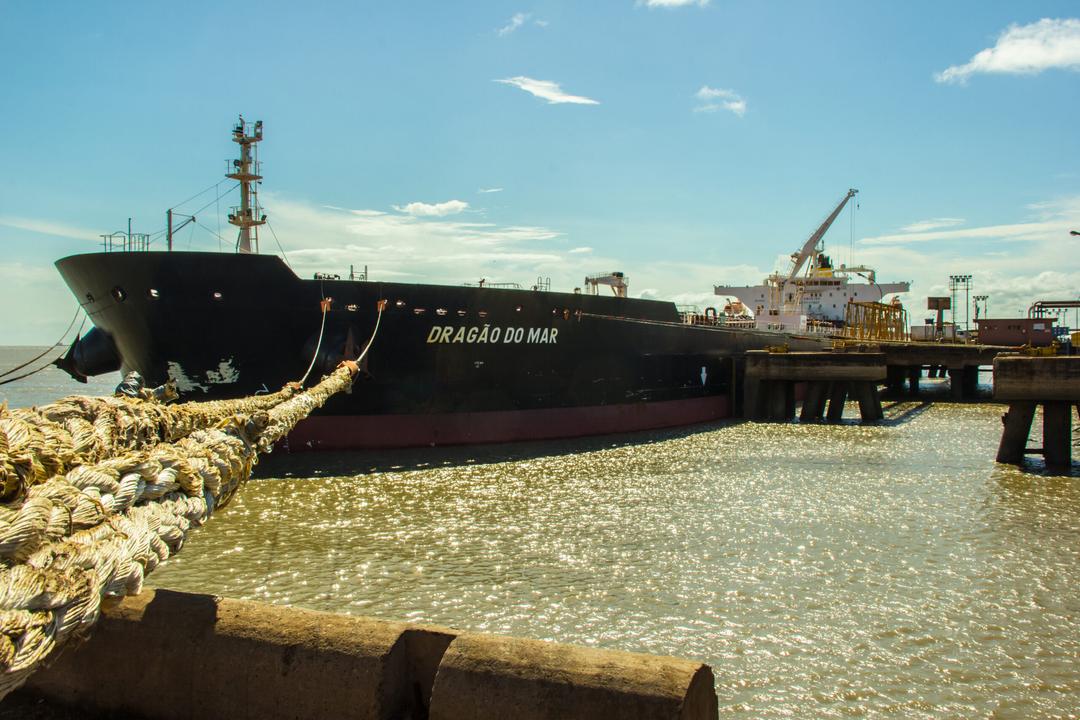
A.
pixel 517 309
pixel 419 311
pixel 440 312
pixel 153 293
pixel 118 294
pixel 399 303
pixel 461 313
pixel 216 295
pixel 482 313
pixel 351 308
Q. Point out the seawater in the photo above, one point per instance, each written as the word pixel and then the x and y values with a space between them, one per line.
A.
pixel 823 571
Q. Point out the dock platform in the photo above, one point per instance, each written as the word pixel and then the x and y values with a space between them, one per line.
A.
pixel 830 377
pixel 1027 382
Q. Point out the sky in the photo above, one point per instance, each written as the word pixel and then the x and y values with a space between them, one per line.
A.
pixel 685 142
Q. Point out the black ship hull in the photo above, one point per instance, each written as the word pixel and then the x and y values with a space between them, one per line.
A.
pixel 449 365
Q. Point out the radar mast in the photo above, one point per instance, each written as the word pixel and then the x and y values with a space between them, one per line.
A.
pixel 248 216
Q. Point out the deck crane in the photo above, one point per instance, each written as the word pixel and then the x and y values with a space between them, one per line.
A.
pixel 811 244
pixel 618 282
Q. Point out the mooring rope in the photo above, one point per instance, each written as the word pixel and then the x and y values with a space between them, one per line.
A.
pixel 325 304
pixel 94 532
pixel 102 490
pixel 46 351
pixel 37 443
pixel 46 366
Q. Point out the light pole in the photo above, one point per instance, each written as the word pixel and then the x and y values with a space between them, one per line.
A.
pixel 955 283
pixel 985 300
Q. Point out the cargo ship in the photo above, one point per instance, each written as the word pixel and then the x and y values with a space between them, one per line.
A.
pixel 448 364
pixel 813 296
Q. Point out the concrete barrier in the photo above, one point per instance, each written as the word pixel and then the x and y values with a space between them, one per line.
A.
pixel 174 655
pixel 484 676
pixel 170 655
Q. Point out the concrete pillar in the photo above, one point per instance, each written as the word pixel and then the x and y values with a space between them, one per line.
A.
pixel 483 676
pixel 1014 437
pixel 956 383
pixel 837 397
pixel 738 375
pixel 894 378
pixel 970 381
pixel 781 400
pixel 869 401
pixel 814 403
pixel 753 399
pixel 1057 434
pixel 914 373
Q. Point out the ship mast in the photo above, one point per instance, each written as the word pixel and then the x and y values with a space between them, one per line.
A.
pixel 249 216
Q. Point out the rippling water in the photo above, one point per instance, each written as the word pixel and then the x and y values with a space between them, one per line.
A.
pixel 822 571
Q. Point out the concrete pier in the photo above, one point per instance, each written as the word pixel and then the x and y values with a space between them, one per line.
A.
pixel 830 377
pixel 959 362
pixel 1027 382
pixel 174 655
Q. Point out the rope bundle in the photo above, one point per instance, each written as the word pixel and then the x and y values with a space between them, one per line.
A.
pixel 90 528
pixel 38 443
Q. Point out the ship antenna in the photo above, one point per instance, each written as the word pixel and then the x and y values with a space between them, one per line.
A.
pixel 249 216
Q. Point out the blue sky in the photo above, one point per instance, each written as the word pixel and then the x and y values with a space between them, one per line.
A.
pixel 687 143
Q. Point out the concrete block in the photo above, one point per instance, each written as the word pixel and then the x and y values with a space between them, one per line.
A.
pixel 1020 377
pixel 171 655
pixel 484 676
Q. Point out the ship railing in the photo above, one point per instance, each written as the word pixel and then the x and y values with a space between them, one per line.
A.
pixel 501 286
pixel 125 242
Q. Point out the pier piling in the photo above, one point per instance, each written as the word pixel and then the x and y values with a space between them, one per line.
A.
pixel 828 376
pixel 1026 382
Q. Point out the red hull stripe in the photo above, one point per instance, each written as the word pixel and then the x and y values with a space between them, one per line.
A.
pixel 352 432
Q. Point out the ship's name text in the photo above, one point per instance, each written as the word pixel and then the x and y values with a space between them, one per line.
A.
pixel 487 334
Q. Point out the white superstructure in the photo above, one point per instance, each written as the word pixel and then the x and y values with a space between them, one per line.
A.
pixel 816 299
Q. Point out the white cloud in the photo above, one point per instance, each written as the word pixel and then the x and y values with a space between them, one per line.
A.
pixel 1024 50
pixel 1015 264
pixel 580 250
pixel 547 90
pixel 518 20
pixel 515 22
pixel 672 3
pixel 490 190
pixel 932 224
pixel 49 227
pixel 419 209
pixel 39 304
pixel 713 99
pixel 1014 232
